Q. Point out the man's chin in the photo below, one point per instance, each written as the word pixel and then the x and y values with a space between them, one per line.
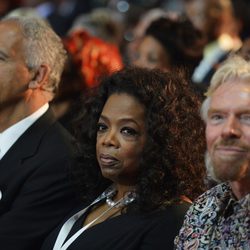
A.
pixel 210 168
pixel 226 168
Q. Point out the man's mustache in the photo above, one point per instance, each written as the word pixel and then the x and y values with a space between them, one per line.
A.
pixel 232 142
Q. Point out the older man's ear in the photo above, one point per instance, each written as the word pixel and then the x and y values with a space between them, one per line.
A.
pixel 40 78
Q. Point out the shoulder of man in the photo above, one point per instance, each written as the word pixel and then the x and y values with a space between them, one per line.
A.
pixel 201 216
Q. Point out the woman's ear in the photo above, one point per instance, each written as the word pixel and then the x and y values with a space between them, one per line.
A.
pixel 40 78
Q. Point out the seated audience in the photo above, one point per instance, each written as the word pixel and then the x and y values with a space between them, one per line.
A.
pixel 104 23
pixel 170 43
pixel 90 58
pixel 221 27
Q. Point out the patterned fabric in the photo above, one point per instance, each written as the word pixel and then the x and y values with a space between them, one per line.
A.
pixel 216 221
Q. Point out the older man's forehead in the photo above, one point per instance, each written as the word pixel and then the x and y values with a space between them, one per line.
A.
pixel 231 95
pixel 241 86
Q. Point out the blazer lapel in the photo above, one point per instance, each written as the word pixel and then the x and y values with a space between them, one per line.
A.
pixel 27 144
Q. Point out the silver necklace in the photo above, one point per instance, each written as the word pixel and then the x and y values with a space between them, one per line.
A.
pixel 124 201
pixel 63 244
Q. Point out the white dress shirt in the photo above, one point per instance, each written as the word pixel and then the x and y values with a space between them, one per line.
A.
pixel 9 136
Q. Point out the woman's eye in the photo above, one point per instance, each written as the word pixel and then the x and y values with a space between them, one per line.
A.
pixel 101 127
pixel 129 131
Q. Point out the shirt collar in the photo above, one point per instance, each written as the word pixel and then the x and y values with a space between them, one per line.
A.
pixel 9 136
pixel 230 202
pixel 244 202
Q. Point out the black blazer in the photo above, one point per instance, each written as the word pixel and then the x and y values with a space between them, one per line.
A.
pixel 36 193
pixel 151 231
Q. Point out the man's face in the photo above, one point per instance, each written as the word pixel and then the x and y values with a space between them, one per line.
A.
pixel 228 131
pixel 13 70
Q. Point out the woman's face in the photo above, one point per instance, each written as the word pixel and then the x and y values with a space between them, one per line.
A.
pixel 121 137
pixel 151 54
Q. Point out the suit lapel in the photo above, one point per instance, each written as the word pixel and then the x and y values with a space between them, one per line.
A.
pixel 27 144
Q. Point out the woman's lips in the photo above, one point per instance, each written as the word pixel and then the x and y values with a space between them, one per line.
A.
pixel 107 160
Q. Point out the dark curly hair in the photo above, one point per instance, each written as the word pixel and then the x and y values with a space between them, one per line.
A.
pixel 172 160
pixel 181 40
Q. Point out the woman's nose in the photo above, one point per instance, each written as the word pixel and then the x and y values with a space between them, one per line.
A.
pixel 110 139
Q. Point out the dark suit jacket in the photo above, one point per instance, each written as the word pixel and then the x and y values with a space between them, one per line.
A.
pixel 36 193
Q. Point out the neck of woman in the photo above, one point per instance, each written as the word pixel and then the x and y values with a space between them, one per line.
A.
pixel 122 190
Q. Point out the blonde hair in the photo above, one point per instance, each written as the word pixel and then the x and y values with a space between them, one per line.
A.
pixel 234 68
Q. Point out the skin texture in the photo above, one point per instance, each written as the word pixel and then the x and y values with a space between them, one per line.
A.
pixel 120 138
pixel 23 91
pixel 14 72
pixel 228 135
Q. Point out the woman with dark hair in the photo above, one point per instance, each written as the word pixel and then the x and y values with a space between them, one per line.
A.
pixel 170 44
pixel 141 161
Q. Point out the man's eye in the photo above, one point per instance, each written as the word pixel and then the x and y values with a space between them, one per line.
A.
pixel 245 118
pixel 216 118
pixel 129 131
pixel 101 127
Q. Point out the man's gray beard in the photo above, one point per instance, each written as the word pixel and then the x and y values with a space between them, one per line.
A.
pixel 210 168
pixel 233 174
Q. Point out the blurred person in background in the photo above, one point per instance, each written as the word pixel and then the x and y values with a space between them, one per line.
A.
pixel 59 13
pixel 104 23
pixel 90 58
pixel 137 31
pixel 169 44
pixel 220 26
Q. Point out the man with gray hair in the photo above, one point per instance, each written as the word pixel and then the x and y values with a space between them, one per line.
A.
pixel 35 151
pixel 220 218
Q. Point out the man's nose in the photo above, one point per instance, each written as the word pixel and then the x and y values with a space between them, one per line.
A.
pixel 231 128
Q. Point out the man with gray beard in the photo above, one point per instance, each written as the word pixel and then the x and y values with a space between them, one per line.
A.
pixel 220 218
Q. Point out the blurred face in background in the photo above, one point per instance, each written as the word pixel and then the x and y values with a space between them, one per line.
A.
pixel 151 54
pixel 212 17
pixel 195 10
